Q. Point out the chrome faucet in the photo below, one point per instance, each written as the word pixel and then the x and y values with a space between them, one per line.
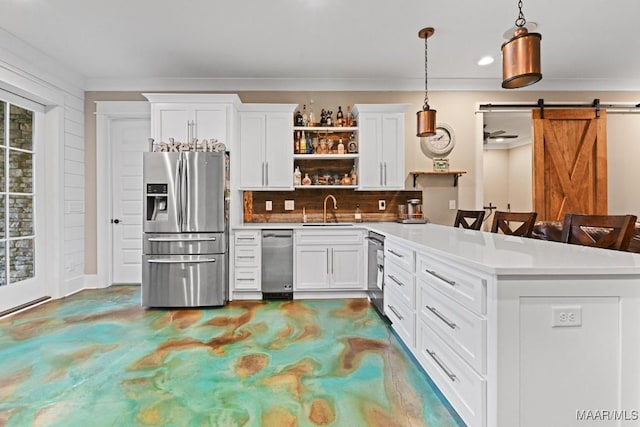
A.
pixel 335 206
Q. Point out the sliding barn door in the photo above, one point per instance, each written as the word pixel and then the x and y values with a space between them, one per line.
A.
pixel 569 163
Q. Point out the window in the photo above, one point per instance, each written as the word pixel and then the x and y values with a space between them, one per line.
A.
pixel 17 197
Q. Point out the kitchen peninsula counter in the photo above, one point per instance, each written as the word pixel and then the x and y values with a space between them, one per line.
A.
pixel 514 331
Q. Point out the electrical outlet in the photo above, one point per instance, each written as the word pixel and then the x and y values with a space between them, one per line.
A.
pixel 568 315
pixel 268 205
pixel 289 205
pixel 382 205
pixel 452 204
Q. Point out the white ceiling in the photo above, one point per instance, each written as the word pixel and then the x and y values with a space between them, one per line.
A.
pixel 326 44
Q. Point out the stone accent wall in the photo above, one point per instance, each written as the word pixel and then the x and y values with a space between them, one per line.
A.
pixel 21 207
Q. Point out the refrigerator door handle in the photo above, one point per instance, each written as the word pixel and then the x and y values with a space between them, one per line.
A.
pixel 179 191
pixel 185 187
pixel 180 261
pixel 189 239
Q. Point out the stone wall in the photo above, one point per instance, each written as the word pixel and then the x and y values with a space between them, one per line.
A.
pixel 20 207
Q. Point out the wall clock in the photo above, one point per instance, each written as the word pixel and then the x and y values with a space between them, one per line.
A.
pixel 440 144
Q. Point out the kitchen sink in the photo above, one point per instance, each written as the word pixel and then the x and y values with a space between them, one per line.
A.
pixel 327 224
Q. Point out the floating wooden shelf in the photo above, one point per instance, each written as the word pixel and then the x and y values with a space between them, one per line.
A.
pixel 454 173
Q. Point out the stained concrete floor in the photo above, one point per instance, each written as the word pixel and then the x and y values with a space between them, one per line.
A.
pixel 99 359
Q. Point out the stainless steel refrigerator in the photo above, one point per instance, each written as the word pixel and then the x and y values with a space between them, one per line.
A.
pixel 185 241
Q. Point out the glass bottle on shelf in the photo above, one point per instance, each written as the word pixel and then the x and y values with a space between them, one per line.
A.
pixel 303 143
pixel 339 117
pixel 296 144
pixel 297 119
pixel 310 121
pixel 340 147
pixel 306 180
pixel 352 119
pixel 347 119
pixel 297 176
pixel 305 117
pixel 309 146
pixel 354 176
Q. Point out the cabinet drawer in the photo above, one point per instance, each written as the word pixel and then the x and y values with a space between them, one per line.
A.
pixel 331 237
pixel 461 385
pixel 464 331
pixel 401 283
pixel 247 279
pixel 463 286
pixel 399 255
pixel 402 319
pixel 246 237
pixel 247 256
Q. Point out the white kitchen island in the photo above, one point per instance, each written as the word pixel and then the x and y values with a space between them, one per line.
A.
pixel 517 331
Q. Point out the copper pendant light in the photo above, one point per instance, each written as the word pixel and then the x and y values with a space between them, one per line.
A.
pixel 426 117
pixel 521 56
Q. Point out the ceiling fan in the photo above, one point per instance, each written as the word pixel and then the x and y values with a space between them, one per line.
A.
pixel 498 134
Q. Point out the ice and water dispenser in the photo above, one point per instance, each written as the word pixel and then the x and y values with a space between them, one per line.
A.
pixel 156 202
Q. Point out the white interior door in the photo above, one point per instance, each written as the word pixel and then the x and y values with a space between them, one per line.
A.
pixel 128 142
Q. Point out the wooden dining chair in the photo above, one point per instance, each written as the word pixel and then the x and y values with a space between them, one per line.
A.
pixel 600 231
pixel 469 219
pixel 504 222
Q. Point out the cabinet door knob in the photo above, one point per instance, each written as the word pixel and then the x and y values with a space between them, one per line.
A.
pixel 115 221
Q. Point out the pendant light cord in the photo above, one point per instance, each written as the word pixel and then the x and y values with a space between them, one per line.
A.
pixel 426 75
pixel 520 21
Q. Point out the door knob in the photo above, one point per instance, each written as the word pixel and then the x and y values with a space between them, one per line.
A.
pixel 115 221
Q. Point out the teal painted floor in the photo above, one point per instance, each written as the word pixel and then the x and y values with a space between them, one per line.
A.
pixel 99 359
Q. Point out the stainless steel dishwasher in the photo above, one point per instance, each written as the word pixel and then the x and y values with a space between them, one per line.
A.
pixel 277 264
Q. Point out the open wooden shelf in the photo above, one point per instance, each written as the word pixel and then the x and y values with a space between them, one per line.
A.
pixel 455 173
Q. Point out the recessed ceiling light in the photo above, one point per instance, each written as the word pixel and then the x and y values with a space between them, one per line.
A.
pixel 529 25
pixel 486 60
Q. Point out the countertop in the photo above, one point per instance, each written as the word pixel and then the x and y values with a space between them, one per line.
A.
pixel 496 253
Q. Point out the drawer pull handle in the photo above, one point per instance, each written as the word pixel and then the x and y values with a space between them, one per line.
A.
pixel 180 261
pixel 246 238
pixel 245 279
pixel 398 315
pixel 396 280
pixel 441 317
pixel 444 279
pixel 396 254
pixel 442 366
pixel 245 256
pixel 187 239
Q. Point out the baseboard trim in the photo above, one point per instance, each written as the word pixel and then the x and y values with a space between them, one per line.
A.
pixel 24 306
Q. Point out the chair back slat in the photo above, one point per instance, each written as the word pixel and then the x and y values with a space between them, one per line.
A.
pixel 600 231
pixel 503 222
pixel 469 219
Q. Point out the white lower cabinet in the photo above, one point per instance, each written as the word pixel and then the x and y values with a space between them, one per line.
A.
pixel 329 259
pixel 464 388
pixel 247 257
pixel 399 290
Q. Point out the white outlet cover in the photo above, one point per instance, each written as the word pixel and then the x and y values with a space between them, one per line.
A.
pixel 452 204
pixel 289 205
pixel 268 205
pixel 382 205
pixel 566 316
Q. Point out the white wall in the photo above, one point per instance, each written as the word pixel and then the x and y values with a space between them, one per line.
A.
pixel 520 190
pixel 34 75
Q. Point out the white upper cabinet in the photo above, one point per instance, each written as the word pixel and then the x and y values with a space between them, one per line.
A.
pixel 266 158
pixel 381 141
pixel 185 117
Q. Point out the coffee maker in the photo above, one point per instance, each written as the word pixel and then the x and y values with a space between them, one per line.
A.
pixel 411 212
